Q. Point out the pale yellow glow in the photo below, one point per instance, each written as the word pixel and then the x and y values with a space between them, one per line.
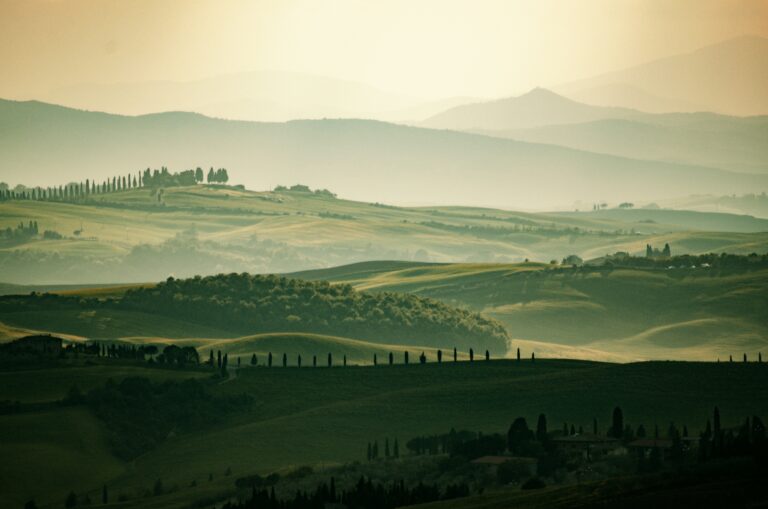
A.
pixel 429 49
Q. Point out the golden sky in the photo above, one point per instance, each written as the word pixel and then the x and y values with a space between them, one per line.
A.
pixel 423 48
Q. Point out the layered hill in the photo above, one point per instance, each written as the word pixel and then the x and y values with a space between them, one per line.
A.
pixel 366 160
pixel 686 313
pixel 131 236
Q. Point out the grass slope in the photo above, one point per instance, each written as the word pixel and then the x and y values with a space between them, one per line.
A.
pixel 128 237
pixel 627 313
pixel 321 416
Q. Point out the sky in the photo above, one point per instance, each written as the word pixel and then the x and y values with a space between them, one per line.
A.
pixel 430 49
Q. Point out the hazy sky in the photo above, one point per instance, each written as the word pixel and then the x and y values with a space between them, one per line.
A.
pixel 423 48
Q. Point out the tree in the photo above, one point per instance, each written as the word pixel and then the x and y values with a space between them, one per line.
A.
pixel 648 251
pixel 314 361
pixel 157 489
pixel 211 176
pixel 439 356
pixel 487 355
pixel 71 500
pixel 210 359
pixel 667 252
pixel 423 358
pixel 104 495
pixel 285 360
pixel 391 358
pixel 330 360
pixel 396 449
pixel 345 360
pixel 541 428
pixel 519 436
pixel 218 362
pixel 386 447
pixel 471 355
pixel 30 504
pixel 199 174
pixel 298 361
pixel 375 360
pixel 405 357
pixel 254 360
pixel 617 427
pixel 455 355
pixel 269 360
pixel 518 353
pixel 369 454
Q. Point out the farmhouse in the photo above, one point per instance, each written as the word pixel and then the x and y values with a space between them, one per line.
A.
pixel 588 446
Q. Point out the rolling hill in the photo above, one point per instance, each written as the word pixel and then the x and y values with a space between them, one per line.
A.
pixel 365 160
pixel 346 408
pixel 618 314
pixel 130 237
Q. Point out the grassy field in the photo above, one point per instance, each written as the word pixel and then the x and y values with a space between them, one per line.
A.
pixel 618 314
pixel 130 236
pixel 321 416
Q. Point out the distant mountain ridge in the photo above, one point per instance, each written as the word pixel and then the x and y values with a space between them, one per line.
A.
pixel 730 77
pixel 366 160
pixel 542 116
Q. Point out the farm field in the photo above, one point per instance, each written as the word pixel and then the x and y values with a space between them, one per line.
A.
pixel 134 236
pixel 349 407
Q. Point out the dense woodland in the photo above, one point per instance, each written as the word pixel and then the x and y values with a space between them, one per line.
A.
pixel 250 304
pixel 279 304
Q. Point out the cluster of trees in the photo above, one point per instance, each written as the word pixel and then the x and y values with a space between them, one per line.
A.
pixel 364 495
pixel 653 252
pixel 723 261
pixel 76 191
pixel 373 450
pixel 256 303
pixel 301 188
pixel 140 414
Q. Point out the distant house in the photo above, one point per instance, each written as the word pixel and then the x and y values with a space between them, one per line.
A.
pixel 644 446
pixel 39 345
pixel 588 446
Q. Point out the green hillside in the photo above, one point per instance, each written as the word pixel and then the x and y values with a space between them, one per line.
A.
pixel 244 304
pixel 640 313
pixel 129 236
pixel 364 159
pixel 325 416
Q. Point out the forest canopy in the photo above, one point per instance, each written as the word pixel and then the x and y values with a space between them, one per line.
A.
pixel 256 303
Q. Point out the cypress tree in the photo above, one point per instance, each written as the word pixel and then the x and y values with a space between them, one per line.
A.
pixel 541 428
pixel 518 353
pixel 104 495
pixel 471 355
pixel 330 360
pixel 745 357
pixel 285 360
pixel 375 361
pixel 269 360
pixel 298 361
pixel 345 360
pixel 455 355
pixel 391 358
pixel 439 356
pixel 487 355
pixel 254 360
pixel 533 356
pixel 210 359
pixel 218 362
pixel 406 357
pixel 617 427
pixel 314 361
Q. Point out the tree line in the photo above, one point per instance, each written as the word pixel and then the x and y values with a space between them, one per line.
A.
pixel 366 494
pixel 79 191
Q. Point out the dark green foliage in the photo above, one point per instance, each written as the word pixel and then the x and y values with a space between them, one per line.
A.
pixel 251 304
pixel 519 436
pixel 534 483
pixel 140 414
pixel 617 427
pixel 71 500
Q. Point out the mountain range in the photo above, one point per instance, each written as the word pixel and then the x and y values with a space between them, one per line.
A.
pixel 360 159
